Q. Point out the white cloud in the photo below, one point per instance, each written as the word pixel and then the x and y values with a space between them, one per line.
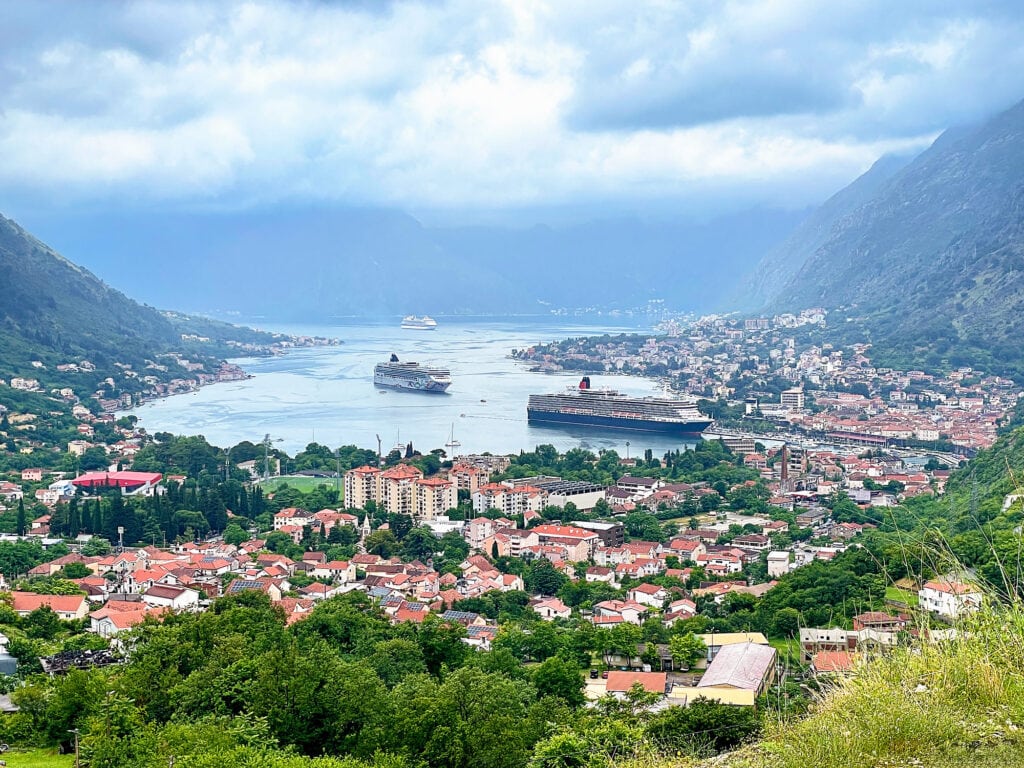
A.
pixel 470 104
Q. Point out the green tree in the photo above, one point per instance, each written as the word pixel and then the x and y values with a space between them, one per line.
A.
pixel 382 543
pixel 704 727
pixel 21 525
pixel 542 578
pixel 558 678
pixel 235 534
pixel 686 649
pixel 420 544
pixel 42 623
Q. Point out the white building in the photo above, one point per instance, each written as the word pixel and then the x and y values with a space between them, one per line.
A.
pixel 175 598
pixel 949 598
pixel 778 563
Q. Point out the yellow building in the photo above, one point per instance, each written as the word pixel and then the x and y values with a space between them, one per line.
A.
pixel 361 486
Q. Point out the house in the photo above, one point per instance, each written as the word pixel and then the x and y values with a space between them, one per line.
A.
pixel 266 586
pixel 175 598
pixel 619 683
pixel 831 663
pixel 648 594
pixel 778 563
pixel 679 610
pixel 627 611
pixel 687 550
pixel 753 541
pixel 600 573
pixel 119 616
pixel 879 621
pixel 480 636
pixel 130 483
pixel 949 599
pixel 67 607
pixel 551 608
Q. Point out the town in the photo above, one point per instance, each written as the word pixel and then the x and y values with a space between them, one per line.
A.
pixel 731 581
pixel 778 377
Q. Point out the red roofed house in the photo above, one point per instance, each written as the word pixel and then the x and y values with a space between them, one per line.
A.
pixel 648 594
pixel 949 598
pixel 831 663
pixel 619 683
pixel 550 608
pixel 67 607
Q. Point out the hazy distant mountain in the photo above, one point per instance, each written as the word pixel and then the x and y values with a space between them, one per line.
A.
pixel 782 262
pixel 931 268
pixel 315 265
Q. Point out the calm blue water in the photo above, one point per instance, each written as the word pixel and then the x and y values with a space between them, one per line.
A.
pixel 327 394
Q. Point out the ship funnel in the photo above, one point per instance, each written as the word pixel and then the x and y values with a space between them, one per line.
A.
pixel 394 358
pixel 585 382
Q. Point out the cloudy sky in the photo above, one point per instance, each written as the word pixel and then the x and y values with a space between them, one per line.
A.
pixel 481 104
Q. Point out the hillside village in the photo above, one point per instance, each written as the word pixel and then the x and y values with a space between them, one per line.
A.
pixel 716 557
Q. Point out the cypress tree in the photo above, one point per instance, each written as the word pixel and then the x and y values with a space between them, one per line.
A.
pixel 21 524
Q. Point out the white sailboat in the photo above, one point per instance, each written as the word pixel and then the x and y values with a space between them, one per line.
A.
pixel 452 442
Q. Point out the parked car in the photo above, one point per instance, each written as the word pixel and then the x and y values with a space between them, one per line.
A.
pixel 604 674
pixel 593 674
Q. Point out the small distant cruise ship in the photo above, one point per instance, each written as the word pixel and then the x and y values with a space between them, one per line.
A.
pixel 425 323
pixel 419 378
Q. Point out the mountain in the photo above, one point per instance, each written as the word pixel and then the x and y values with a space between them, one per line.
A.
pixel 49 304
pixel 930 268
pixel 782 262
pixel 315 265
pixel 54 311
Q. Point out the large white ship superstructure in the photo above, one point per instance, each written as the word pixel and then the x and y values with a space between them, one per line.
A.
pixel 413 323
pixel 414 376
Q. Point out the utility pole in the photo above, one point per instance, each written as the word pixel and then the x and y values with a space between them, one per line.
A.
pixel 267 440
pixel 75 731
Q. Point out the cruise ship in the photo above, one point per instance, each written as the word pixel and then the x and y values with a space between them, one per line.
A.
pixel 606 408
pixel 414 376
pixel 425 323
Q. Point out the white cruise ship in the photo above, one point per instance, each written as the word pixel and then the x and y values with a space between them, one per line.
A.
pixel 425 323
pixel 414 376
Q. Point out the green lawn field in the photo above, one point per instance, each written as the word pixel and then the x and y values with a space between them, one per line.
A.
pixel 37 758
pixel 298 482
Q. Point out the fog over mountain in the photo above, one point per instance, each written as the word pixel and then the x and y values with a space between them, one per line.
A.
pixel 315 265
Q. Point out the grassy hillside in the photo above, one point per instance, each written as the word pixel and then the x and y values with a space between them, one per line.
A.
pixel 931 706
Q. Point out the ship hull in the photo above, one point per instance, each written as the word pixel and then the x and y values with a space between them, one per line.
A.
pixel 431 387
pixel 554 419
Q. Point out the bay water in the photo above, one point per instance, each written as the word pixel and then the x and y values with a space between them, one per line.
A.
pixel 327 395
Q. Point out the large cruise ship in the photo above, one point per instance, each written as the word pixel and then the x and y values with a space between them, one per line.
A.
pixel 413 376
pixel 609 409
pixel 425 323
